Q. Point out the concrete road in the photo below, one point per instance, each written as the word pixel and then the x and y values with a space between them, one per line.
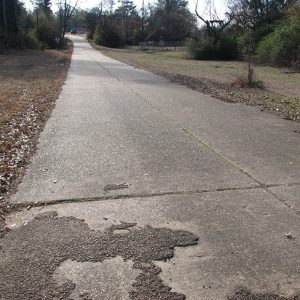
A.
pixel 143 189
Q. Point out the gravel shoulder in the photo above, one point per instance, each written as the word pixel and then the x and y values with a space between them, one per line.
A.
pixel 281 95
pixel 30 82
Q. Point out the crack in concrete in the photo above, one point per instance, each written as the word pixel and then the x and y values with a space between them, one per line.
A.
pixel 33 252
pixel 29 205
pixel 187 132
pixel 284 202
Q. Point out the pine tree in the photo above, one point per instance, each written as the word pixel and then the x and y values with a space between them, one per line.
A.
pixel 44 5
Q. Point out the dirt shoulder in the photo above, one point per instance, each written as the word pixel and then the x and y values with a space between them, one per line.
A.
pixel 30 83
pixel 281 95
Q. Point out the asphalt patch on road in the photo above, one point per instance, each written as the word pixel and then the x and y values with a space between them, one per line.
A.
pixel 245 294
pixel 30 255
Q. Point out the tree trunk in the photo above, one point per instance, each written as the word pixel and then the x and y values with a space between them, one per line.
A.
pixel 64 19
pixel 4 15
pixel 64 27
pixel 16 25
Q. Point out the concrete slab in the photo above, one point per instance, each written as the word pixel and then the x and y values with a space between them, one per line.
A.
pixel 288 194
pixel 103 133
pixel 261 144
pixel 109 280
pixel 242 239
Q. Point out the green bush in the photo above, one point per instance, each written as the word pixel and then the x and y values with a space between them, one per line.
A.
pixel 227 48
pixel 138 36
pixel 90 35
pixel 97 37
pixel 255 37
pixel 12 40
pixel 109 36
pixel 205 48
pixel 47 33
pixel 281 47
pixel 244 41
pixel 32 41
pixel 200 48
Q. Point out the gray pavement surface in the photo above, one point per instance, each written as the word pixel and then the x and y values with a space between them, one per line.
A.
pixel 145 189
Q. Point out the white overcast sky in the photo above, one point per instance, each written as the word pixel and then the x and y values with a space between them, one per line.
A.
pixel 85 4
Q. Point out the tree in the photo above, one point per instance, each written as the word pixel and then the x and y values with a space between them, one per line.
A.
pixel 92 18
pixel 15 14
pixel 253 14
pixel 78 20
pixel 98 16
pixel 213 24
pixel 170 20
pixel 9 11
pixel 143 15
pixel 44 5
pixel 66 9
pixel 128 14
pixel 282 46
pixel 4 15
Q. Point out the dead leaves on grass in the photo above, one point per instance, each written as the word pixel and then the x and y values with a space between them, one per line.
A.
pixel 286 107
pixel 26 103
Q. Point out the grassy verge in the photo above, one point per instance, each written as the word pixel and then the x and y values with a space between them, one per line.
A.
pixel 30 82
pixel 281 95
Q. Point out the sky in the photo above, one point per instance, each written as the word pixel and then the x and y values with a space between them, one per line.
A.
pixel 86 4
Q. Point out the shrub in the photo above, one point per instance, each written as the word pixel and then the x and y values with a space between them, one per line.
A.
pixel 138 36
pixel 32 41
pixel 47 33
pixel 227 48
pixel 200 48
pixel 90 35
pixel 254 36
pixel 97 37
pixel 12 40
pixel 281 47
pixel 205 48
pixel 109 36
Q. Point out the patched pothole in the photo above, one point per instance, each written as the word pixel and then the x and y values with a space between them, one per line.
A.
pixel 245 294
pixel 31 254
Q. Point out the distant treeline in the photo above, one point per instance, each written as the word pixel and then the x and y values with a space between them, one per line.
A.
pixel 38 29
pixel 268 29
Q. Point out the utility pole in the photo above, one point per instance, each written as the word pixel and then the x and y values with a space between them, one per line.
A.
pixel 143 25
pixel 37 19
pixel 250 70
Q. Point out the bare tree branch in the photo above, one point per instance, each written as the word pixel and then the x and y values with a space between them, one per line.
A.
pixel 66 11
pixel 214 27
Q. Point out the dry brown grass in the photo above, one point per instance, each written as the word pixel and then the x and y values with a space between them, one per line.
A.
pixel 244 82
pixel 30 82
